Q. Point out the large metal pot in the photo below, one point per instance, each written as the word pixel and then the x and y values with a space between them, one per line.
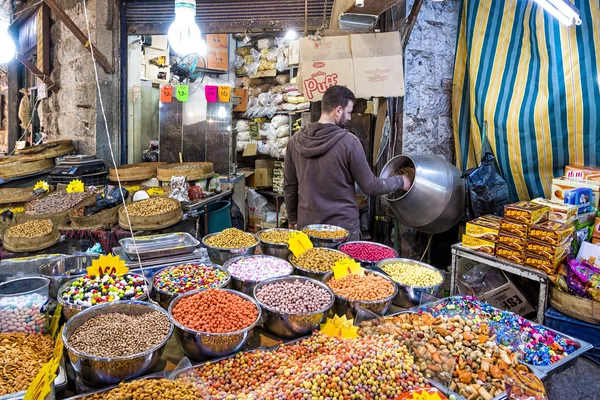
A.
pixel 436 200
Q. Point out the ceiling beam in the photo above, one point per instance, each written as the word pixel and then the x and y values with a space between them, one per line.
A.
pixel 371 7
pixel 35 71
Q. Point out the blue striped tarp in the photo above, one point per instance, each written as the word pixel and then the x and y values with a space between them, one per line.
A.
pixel 537 84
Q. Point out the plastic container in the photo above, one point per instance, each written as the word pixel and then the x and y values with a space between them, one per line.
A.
pixel 219 216
pixel 23 305
pixel 576 328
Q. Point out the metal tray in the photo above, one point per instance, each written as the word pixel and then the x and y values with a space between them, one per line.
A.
pixel 544 371
pixel 157 246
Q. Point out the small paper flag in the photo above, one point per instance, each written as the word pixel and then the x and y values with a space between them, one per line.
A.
pixel 75 186
pixel 182 93
pixel 299 243
pixel 224 94
pixel 210 92
pixel 41 185
pixel 340 327
pixel 347 266
pixel 107 265
pixel 166 94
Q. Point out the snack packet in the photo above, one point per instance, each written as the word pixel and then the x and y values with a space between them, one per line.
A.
pixel 521 385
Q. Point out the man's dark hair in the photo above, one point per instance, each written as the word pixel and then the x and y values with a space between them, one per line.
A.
pixel 336 96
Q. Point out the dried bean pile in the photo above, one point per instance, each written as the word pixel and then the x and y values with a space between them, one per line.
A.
pixel 146 389
pixel 323 234
pixel 152 206
pixel 21 358
pixel 411 274
pixel 231 238
pixel 259 268
pixel 215 311
pixel 367 251
pixel 187 277
pixel 318 259
pixel 54 203
pixel 30 229
pixel 294 297
pixel 277 236
pixel 120 335
pixel 369 287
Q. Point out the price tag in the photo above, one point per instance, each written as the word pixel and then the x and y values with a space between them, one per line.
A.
pixel 107 265
pixel 224 94
pixel 42 186
pixel 422 394
pixel 347 266
pixel 55 320
pixel 59 346
pixel 211 93
pixel 166 94
pixel 41 386
pixel 299 243
pixel 75 186
pixel 155 191
pixel 340 327
pixel 182 93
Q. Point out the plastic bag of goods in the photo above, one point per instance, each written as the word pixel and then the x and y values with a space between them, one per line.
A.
pixel 252 68
pixel 282 79
pixel 276 99
pixel 276 89
pixel 283 131
pixel 239 61
pixel 266 65
pixel 243 51
pixel 242 125
pixel 270 53
pixel 279 120
pixel 283 142
pixel 180 188
pixel 268 131
pixel 290 107
pixel 241 145
pixel 265 43
pixel 257 204
pixel 264 99
pixel 244 136
pixel 303 106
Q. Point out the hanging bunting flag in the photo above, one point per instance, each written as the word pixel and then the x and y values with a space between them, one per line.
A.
pixel 211 93
pixel 166 94
pixel 224 94
pixel 182 93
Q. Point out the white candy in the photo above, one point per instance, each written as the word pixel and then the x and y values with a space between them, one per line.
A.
pixel 23 313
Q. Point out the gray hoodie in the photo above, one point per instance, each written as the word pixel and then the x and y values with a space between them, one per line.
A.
pixel 322 163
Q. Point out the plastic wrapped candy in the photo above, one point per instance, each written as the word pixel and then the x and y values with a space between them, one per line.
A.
pixel 180 188
pixel 521 385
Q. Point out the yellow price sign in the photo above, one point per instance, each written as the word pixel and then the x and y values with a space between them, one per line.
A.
pixel 347 266
pixel 59 346
pixel 41 185
pixel 299 243
pixel 41 386
pixel 55 320
pixel 340 327
pixel 75 186
pixel 224 94
pixel 107 265
pixel 155 191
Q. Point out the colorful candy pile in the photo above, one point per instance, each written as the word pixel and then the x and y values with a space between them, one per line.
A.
pixel 97 289
pixel 377 367
pixel 259 268
pixel 367 251
pixel 186 277
pixel 539 345
pixel 23 313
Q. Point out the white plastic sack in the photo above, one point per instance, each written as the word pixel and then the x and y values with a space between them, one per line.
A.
pixel 244 136
pixel 279 120
pixel 283 131
pixel 241 145
pixel 241 125
pixel 257 204
pixel 283 142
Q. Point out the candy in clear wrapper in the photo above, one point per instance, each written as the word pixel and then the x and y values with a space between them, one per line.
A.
pixel 521 385
pixel 180 188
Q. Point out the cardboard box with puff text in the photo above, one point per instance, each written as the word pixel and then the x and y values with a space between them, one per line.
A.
pixel 368 64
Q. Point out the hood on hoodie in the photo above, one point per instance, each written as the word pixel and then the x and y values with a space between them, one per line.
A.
pixel 316 139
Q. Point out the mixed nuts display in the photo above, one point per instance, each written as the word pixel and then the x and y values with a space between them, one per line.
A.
pixel 54 203
pixel 30 229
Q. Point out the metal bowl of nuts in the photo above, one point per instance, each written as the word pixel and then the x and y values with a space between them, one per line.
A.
pixel 293 306
pixel 229 244
pixel 247 272
pixel 322 235
pixel 315 263
pixel 274 242
pixel 61 270
pixel 413 279
pixel 116 341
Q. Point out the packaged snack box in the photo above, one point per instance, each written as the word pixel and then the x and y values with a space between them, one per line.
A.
pixel 548 251
pixel 514 242
pixel 559 212
pixel 581 198
pixel 548 266
pixel 581 173
pixel 484 246
pixel 596 231
pixel 514 228
pixel 550 232
pixel 561 185
pixel 526 212
pixel 483 228
pixel 510 254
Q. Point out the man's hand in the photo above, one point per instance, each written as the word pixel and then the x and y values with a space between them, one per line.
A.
pixel 293 226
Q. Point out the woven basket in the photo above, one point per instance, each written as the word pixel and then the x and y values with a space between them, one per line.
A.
pixel 134 172
pixel 48 150
pixel 23 245
pixel 16 195
pixel 19 168
pixel 62 218
pixel 151 222
pixel 105 219
pixel 192 170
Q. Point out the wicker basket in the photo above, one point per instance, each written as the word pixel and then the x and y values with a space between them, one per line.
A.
pixel 48 150
pixel 62 218
pixel 192 170
pixel 16 195
pixel 151 222
pixel 105 219
pixel 19 168
pixel 24 245
pixel 134 172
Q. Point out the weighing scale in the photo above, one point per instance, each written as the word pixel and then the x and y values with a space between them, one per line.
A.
pixel 88 169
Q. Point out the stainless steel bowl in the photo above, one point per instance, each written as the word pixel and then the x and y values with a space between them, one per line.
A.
pixel 330 243
pixel 409 296
pixel 275 249
pixel 60 271
pixel 220 256
pixel 70 310
pixel 349 308
pixel 165 298
pixel 312 274
pixel 247 287
pixel 291 326
pixel 102 371
pixel 202 345
pixel 366 263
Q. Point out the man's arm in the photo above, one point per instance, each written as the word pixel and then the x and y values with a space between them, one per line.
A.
pixel 290 188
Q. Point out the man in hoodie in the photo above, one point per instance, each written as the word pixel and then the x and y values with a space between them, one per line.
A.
pixel 322 163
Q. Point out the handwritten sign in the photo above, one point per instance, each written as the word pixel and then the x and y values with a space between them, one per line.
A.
pixel 75 186
pixel 224 94
pixel 347 266
pixel 211 93
pixel 166 94
pixel 182 93
pixel 53 330
pixel 340 327
pixel 107 265
pixel 299 243
pixel 43 185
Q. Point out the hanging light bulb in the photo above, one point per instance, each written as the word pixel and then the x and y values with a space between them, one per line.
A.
pixel 184 34
pixel 291 34
pixel 221 113
pixel 7 46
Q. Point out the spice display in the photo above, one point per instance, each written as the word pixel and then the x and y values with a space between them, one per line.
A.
pixel 318 259
pixel 120 335
pixel 367 251
pixel 257 269
pixel 152 206
pixel 21 358
pixel 317 367
pixel 369 287
pixel 30 229
pixel 323 234
pixel 231 238
pixel 96 289
pixel 277 236
pixel 54 203
pixel 163 389
pixel 186 277
pixel 24 313
pixel 412 274
pixel 215 311
pixel 294 297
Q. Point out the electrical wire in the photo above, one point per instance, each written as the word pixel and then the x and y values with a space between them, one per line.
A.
pixel 426 247
pixel 16 14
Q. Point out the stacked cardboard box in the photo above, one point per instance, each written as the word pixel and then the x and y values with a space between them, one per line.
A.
pixel 278 177
pixel 548 245
pixel 481 234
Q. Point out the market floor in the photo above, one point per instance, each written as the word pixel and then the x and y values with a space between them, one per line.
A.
pixel 580 382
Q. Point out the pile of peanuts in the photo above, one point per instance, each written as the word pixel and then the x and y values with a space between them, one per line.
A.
pixel 415 275
pixel 318 259
pixel 231 238
pixel 277 236
pixel 215 311
pixel 30 229
pixel 21 358
pixel 294 297
pixel 163 389
pixel 152 206
pixel 54 203
pixel 369 287
pixel 326 234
